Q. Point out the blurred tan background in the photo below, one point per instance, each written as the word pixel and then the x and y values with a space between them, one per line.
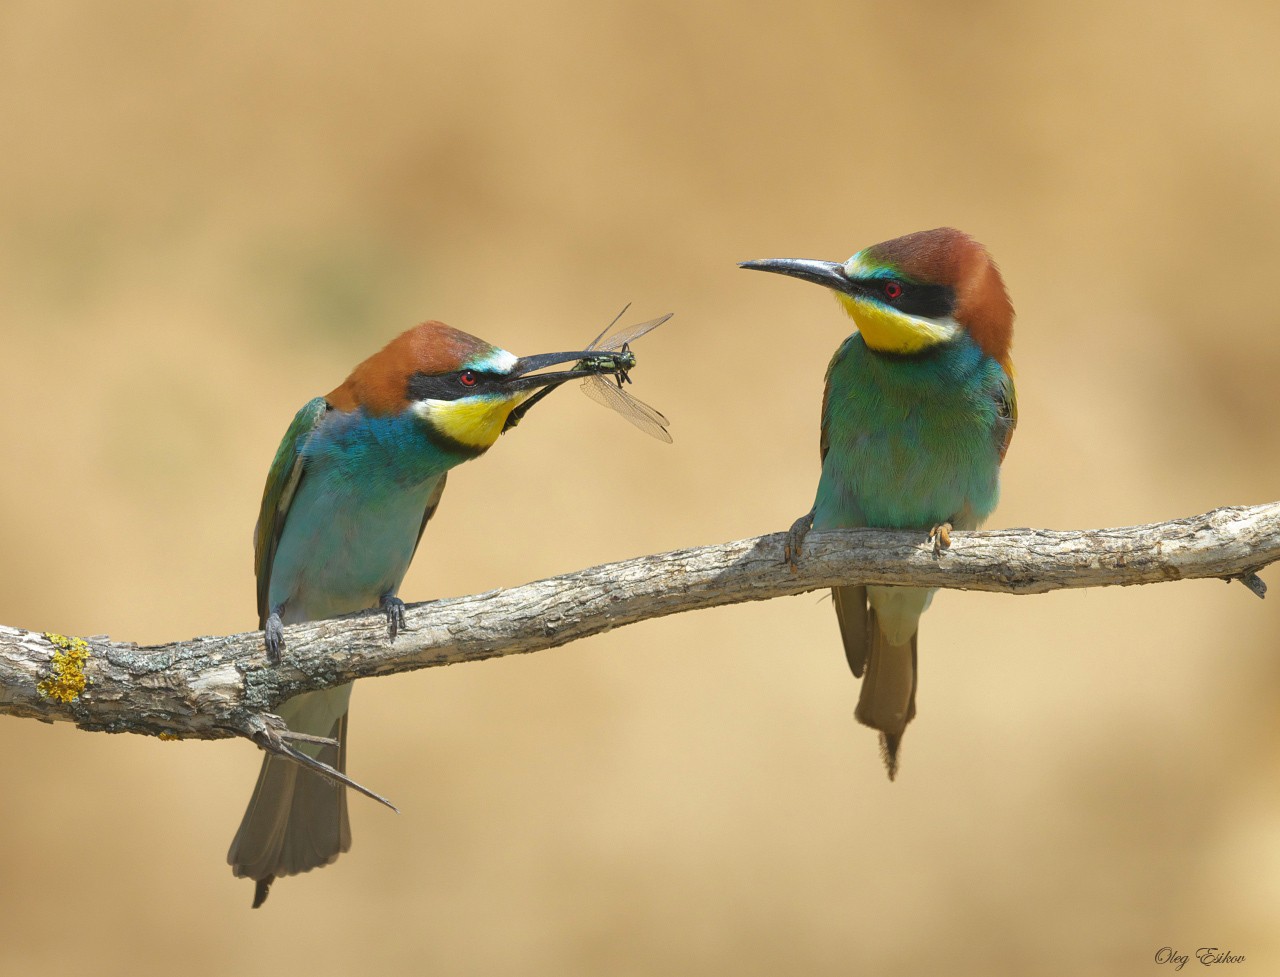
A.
pixel 210 212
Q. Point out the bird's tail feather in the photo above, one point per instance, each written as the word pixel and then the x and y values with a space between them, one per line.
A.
pixel 296 819
pixel 851 612
pixel 887 701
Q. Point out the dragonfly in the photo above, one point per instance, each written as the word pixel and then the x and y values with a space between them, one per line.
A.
pixel 607 370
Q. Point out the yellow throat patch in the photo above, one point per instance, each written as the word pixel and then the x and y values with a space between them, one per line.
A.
pixel 888 331
pixel 473 421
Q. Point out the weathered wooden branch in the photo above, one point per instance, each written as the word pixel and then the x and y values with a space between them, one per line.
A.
pixel 208 688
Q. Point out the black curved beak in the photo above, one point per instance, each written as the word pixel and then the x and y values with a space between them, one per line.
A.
pixel 829 274
pixel 522 376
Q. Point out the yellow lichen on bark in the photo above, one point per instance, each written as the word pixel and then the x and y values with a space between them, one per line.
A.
pixel 68 680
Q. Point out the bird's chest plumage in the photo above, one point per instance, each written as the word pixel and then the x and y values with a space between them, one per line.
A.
pixel 352 528
pixel 911 441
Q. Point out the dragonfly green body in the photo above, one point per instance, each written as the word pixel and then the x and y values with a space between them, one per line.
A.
pixel 606 371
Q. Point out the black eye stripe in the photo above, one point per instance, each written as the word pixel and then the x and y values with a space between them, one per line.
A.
pixel 916 298
pixel 449 386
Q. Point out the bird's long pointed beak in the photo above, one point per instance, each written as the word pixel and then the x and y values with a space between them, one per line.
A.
pixel 523 377
pixel 827 273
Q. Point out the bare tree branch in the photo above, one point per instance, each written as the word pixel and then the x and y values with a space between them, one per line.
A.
pixel 208 688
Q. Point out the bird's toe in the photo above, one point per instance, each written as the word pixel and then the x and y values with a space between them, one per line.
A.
pixel 393 607
pixel 273 637
pixel 795 540
pixel 940 536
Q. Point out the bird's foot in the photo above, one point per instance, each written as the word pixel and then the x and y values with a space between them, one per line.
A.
pixel 795 540
pixel 273 637
pixel 940 536
pixel 393 607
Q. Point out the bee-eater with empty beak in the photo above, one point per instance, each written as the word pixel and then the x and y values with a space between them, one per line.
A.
pixel 917 414
pixel 354 483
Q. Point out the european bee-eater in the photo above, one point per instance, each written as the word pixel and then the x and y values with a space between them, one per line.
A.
pixel 354 483
pixel 917 414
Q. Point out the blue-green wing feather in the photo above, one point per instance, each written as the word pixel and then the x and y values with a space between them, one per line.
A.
pixel 1007 410
pixel 433 503
pixel 850 602
pixel 283 479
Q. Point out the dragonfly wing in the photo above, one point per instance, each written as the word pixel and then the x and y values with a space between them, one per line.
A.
pixel 608 393
pixel 629 335
pixel 592 344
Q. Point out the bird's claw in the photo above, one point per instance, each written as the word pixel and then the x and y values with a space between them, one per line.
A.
pixel 795 540
pixel 273 637
pixel 393 607
pixel 940 536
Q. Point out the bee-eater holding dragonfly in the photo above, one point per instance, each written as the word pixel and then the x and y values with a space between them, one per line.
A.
pixel 354 483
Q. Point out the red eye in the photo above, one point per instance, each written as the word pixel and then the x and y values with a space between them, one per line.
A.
pixel 892 290
pixel 467 378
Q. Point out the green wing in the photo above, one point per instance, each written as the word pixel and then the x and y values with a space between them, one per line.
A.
pixel 824 442
pixel 433 503
pixel 1007 407
pixel 282 484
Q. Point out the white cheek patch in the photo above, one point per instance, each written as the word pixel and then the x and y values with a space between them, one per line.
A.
pixel 424 408
pixel 939 330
